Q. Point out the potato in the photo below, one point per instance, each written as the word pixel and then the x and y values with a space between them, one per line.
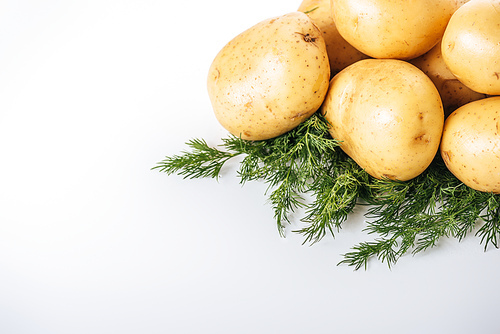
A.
pixel 470 146
pixel 388 115
pixel 458 3
pixel 340 53
pixel 270 78
pixel 453 93
pixel 392 29
pixel 471 45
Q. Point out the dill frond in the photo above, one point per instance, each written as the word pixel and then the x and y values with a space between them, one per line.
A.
pixel 413 216
pixel 404 217
pixel 202 161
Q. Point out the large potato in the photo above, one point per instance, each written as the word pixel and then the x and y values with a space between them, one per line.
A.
pixel 453 93
pixel 471 144
pixel 270 78
pixel 340 53
pixel 392 29
pixel 471 45
pixel 388 115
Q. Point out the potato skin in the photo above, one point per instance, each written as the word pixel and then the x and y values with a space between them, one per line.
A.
pixel 458 3
pixel 471 45
pixel 270 78
pixel 340 53
pixel 470 146
pixel 454 93
pixel 388 114
pixel 392 29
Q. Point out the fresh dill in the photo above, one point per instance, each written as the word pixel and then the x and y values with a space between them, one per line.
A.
pixel 305 168
pixel 311 10
pixel 288 164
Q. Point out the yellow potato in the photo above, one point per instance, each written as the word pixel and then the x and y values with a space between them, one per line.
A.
pixel 388 115
pixel 458 3
pixel 392 29
pixel 453 93
pixel 471 45
pixel 340 53
pixel 270 78
pixel 471 144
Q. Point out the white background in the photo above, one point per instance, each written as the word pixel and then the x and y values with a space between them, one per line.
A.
pixel 93 93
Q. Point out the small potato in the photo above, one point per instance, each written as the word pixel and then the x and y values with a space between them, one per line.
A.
pixel 471 144
pixel 340 53
pixel 453 93
pixel 471 45
pixel 270 78
pixel 392 29
pixel 388 115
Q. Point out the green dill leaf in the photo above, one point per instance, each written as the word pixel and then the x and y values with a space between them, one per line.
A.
pixel 304 168
pixel 413 216
pixel 336 193
pixel 289 164
pixel 311 10
pixel 202 161
pixel 490 231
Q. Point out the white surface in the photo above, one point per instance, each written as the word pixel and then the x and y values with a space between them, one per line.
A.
pixel 92 95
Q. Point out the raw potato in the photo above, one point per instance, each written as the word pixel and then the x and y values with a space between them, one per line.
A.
pixel 458 3
pixel 471 144
pixel 340 53
pixel 270 78
pixel 388 114
pixel 392 29
pixel 453 93
pixel 471 45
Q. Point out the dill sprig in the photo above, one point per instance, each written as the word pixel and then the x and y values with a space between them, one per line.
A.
pixel 412 216
pixel 292 165
pixel 305 169
pixel 202 161
pixel 335 194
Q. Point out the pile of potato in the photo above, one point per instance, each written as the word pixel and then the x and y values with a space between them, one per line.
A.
pixel 398 81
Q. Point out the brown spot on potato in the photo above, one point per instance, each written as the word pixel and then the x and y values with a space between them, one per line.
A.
pixel 451 46
pixel 447 156
pixel 423 138
pixel 308 38
pixel 248 105
pixel 216 75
